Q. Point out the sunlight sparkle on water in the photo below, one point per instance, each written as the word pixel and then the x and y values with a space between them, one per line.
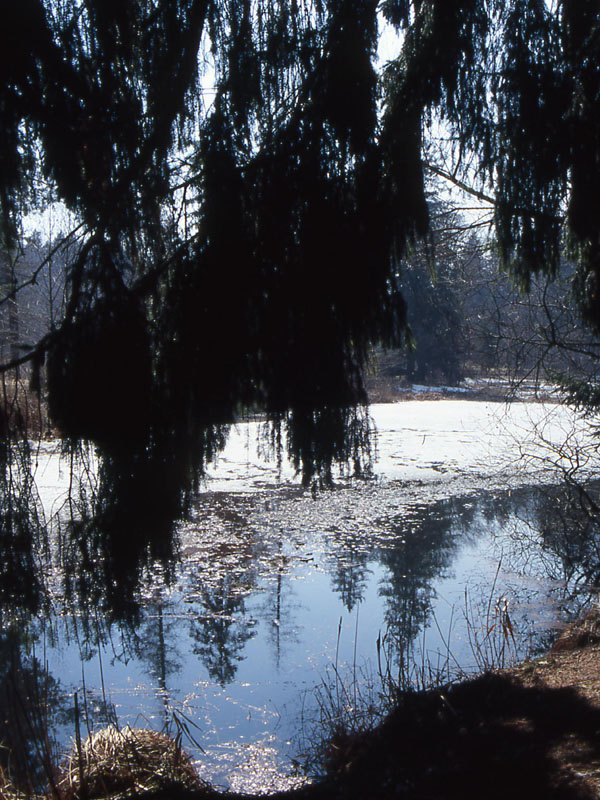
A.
pixel 275 586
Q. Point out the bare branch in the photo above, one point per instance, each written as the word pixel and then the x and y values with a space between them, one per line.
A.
pixel 32 280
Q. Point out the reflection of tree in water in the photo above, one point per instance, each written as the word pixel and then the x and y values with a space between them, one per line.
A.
pixel 554 531
pixel 415 546
pixel 222 631
pixel 32 703
pixel 280 600
pixel 116 526
pixel 350 571
pixel 276 612
pixel 23 542
pixel 421 548
pixel 154 643
pixel 566 520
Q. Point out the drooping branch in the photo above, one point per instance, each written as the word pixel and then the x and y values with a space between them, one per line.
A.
pixel 304 184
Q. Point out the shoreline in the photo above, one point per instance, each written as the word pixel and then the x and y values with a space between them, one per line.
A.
pixel 496 390
pixel 530 730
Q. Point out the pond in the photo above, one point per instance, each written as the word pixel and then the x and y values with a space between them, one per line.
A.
pixel 286 607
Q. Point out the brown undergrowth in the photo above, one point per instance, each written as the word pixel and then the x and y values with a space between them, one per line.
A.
pixel 23 410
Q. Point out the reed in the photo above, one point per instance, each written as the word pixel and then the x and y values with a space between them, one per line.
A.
pixel 353 699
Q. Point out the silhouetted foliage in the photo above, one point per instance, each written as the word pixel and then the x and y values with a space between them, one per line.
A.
pixel 298 195
pixel 247 184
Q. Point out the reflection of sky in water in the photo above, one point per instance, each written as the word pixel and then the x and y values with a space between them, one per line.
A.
pixel 250 626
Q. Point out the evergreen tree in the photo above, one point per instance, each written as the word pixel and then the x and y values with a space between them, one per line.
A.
pixel 242 254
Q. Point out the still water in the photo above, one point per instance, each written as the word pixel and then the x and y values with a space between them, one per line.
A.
pixel 284 601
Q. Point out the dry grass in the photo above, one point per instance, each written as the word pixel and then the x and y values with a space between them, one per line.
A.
pixel 124 761
pixel 23 412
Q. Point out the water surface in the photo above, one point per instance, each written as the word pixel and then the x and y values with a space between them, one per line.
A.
pixel 279 591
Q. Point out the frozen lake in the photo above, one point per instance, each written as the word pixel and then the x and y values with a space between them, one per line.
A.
pixel 280 596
